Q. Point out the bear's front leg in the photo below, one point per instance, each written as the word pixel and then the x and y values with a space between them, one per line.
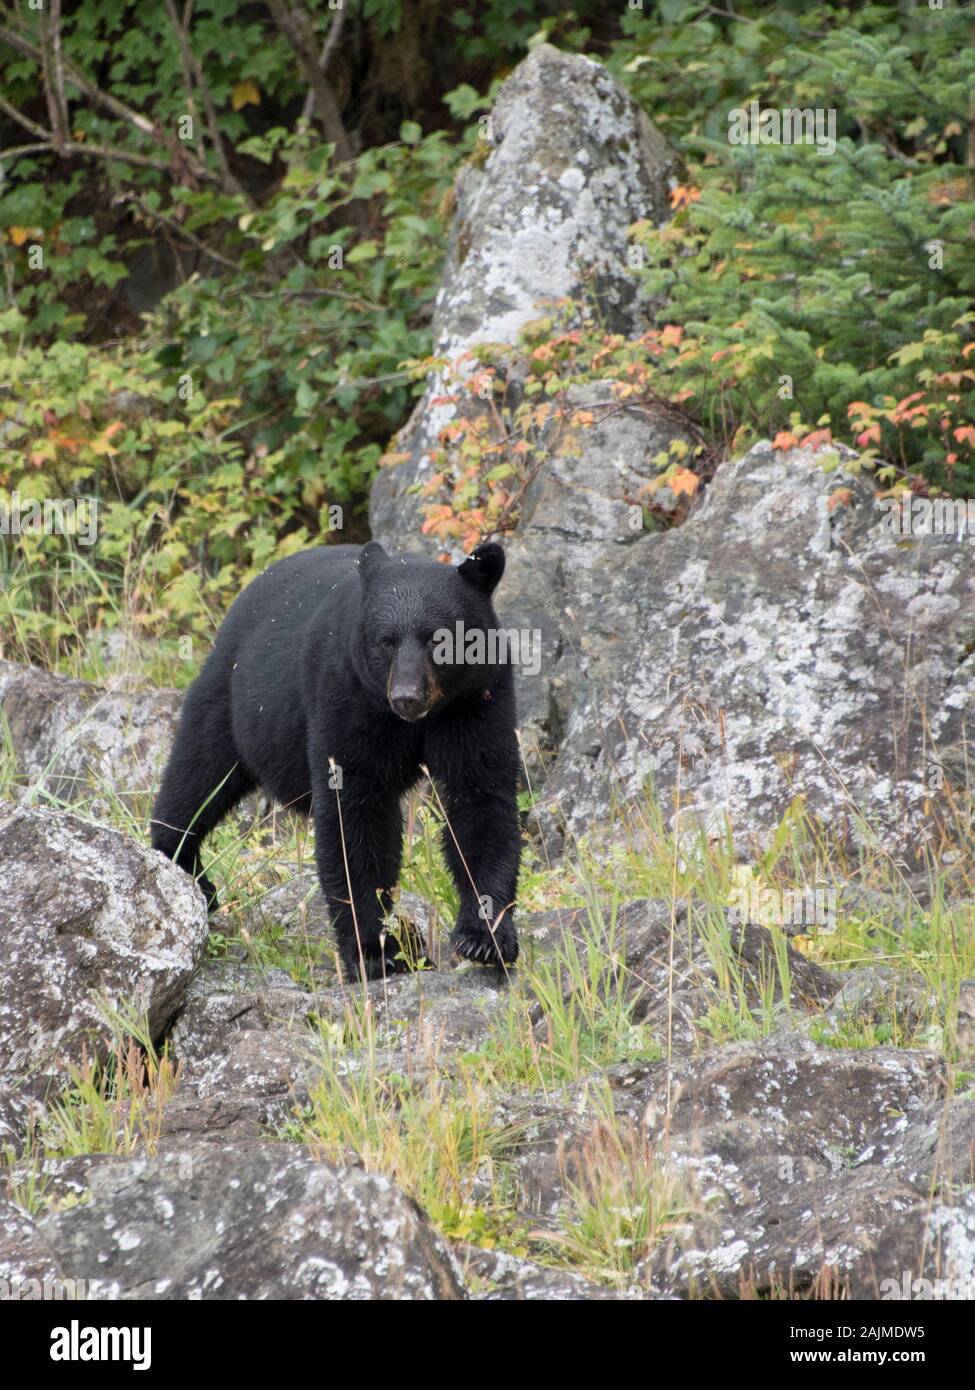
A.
pixel 358 846
pixel 475 766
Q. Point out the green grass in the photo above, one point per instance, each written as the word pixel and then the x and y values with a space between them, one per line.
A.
pixel 435 1135
pixel 620 1203
pixel 569 1015
pixel 57 615
pixel 112 1103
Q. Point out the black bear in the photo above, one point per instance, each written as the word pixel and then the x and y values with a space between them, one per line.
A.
pixel 336 676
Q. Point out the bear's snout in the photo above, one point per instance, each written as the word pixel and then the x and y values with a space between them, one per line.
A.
pixel 408 702
pixel 411 689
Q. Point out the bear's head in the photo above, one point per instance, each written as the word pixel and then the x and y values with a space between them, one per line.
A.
pixel 428 632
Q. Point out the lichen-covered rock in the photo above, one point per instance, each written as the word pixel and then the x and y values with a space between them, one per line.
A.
pixel 786 1160
pixel 786 1098
pixel 87 914
pixel 805 1229
pixel 298 905
pixel 580 518
pixel 85 742
pixel 243 1038
pixel 926 1253
pixel 786 1147
pixel 493 1276
pixel 731 1115
pixel 274 1065
pixel 572 164
pixel 226 997
pixel 965 1028
pixel 781 643
pixel 16 1110
pixel 877 997
pixel 936 1151
pixel 27 1262
pixel 249 1221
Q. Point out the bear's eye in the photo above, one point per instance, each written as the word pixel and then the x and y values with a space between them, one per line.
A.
pixel 387 643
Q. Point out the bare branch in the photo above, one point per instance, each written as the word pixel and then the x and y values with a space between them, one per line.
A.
pixel 193 70
pixel 77 79
pixel 325 57
pixel 9 109
pixel 297 30
pixel 53 70
pixel 186 61
pixel 174 226
pixel 44 147
pixel 119 109
pixel 72 147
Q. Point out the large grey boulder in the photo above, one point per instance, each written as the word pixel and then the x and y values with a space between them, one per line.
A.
pixel 249 1221
pixel 580 520
pixel 86 742
pixel 572 164
pixel 781 643
pixel 86 914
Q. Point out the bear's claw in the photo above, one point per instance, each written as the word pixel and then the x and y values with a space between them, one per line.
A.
pixel 484 947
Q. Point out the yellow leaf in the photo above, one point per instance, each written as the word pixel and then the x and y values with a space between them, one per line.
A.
pixel 18 235
pixel 246 93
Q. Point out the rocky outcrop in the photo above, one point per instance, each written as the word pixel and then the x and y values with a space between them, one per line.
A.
pixel 788 1164
pixel 781 643
pixel 88 915
pixel 85 742
pixel 580 520
pixel 572 164
pixel 242 1036
pixel 248 1221
pixel 792 1165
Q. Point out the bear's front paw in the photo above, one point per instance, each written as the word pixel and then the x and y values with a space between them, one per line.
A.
pixel 396 956
pixel 486 944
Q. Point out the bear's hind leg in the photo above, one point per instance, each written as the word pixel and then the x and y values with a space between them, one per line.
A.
pixel 203 781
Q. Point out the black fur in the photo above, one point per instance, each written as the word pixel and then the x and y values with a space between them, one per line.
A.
pixel 308 670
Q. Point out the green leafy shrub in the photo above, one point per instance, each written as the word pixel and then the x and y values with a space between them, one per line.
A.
pixel 807 283
pixel 313 324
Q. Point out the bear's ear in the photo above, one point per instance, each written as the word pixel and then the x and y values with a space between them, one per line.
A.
pixel 483 567
pixel 368 557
